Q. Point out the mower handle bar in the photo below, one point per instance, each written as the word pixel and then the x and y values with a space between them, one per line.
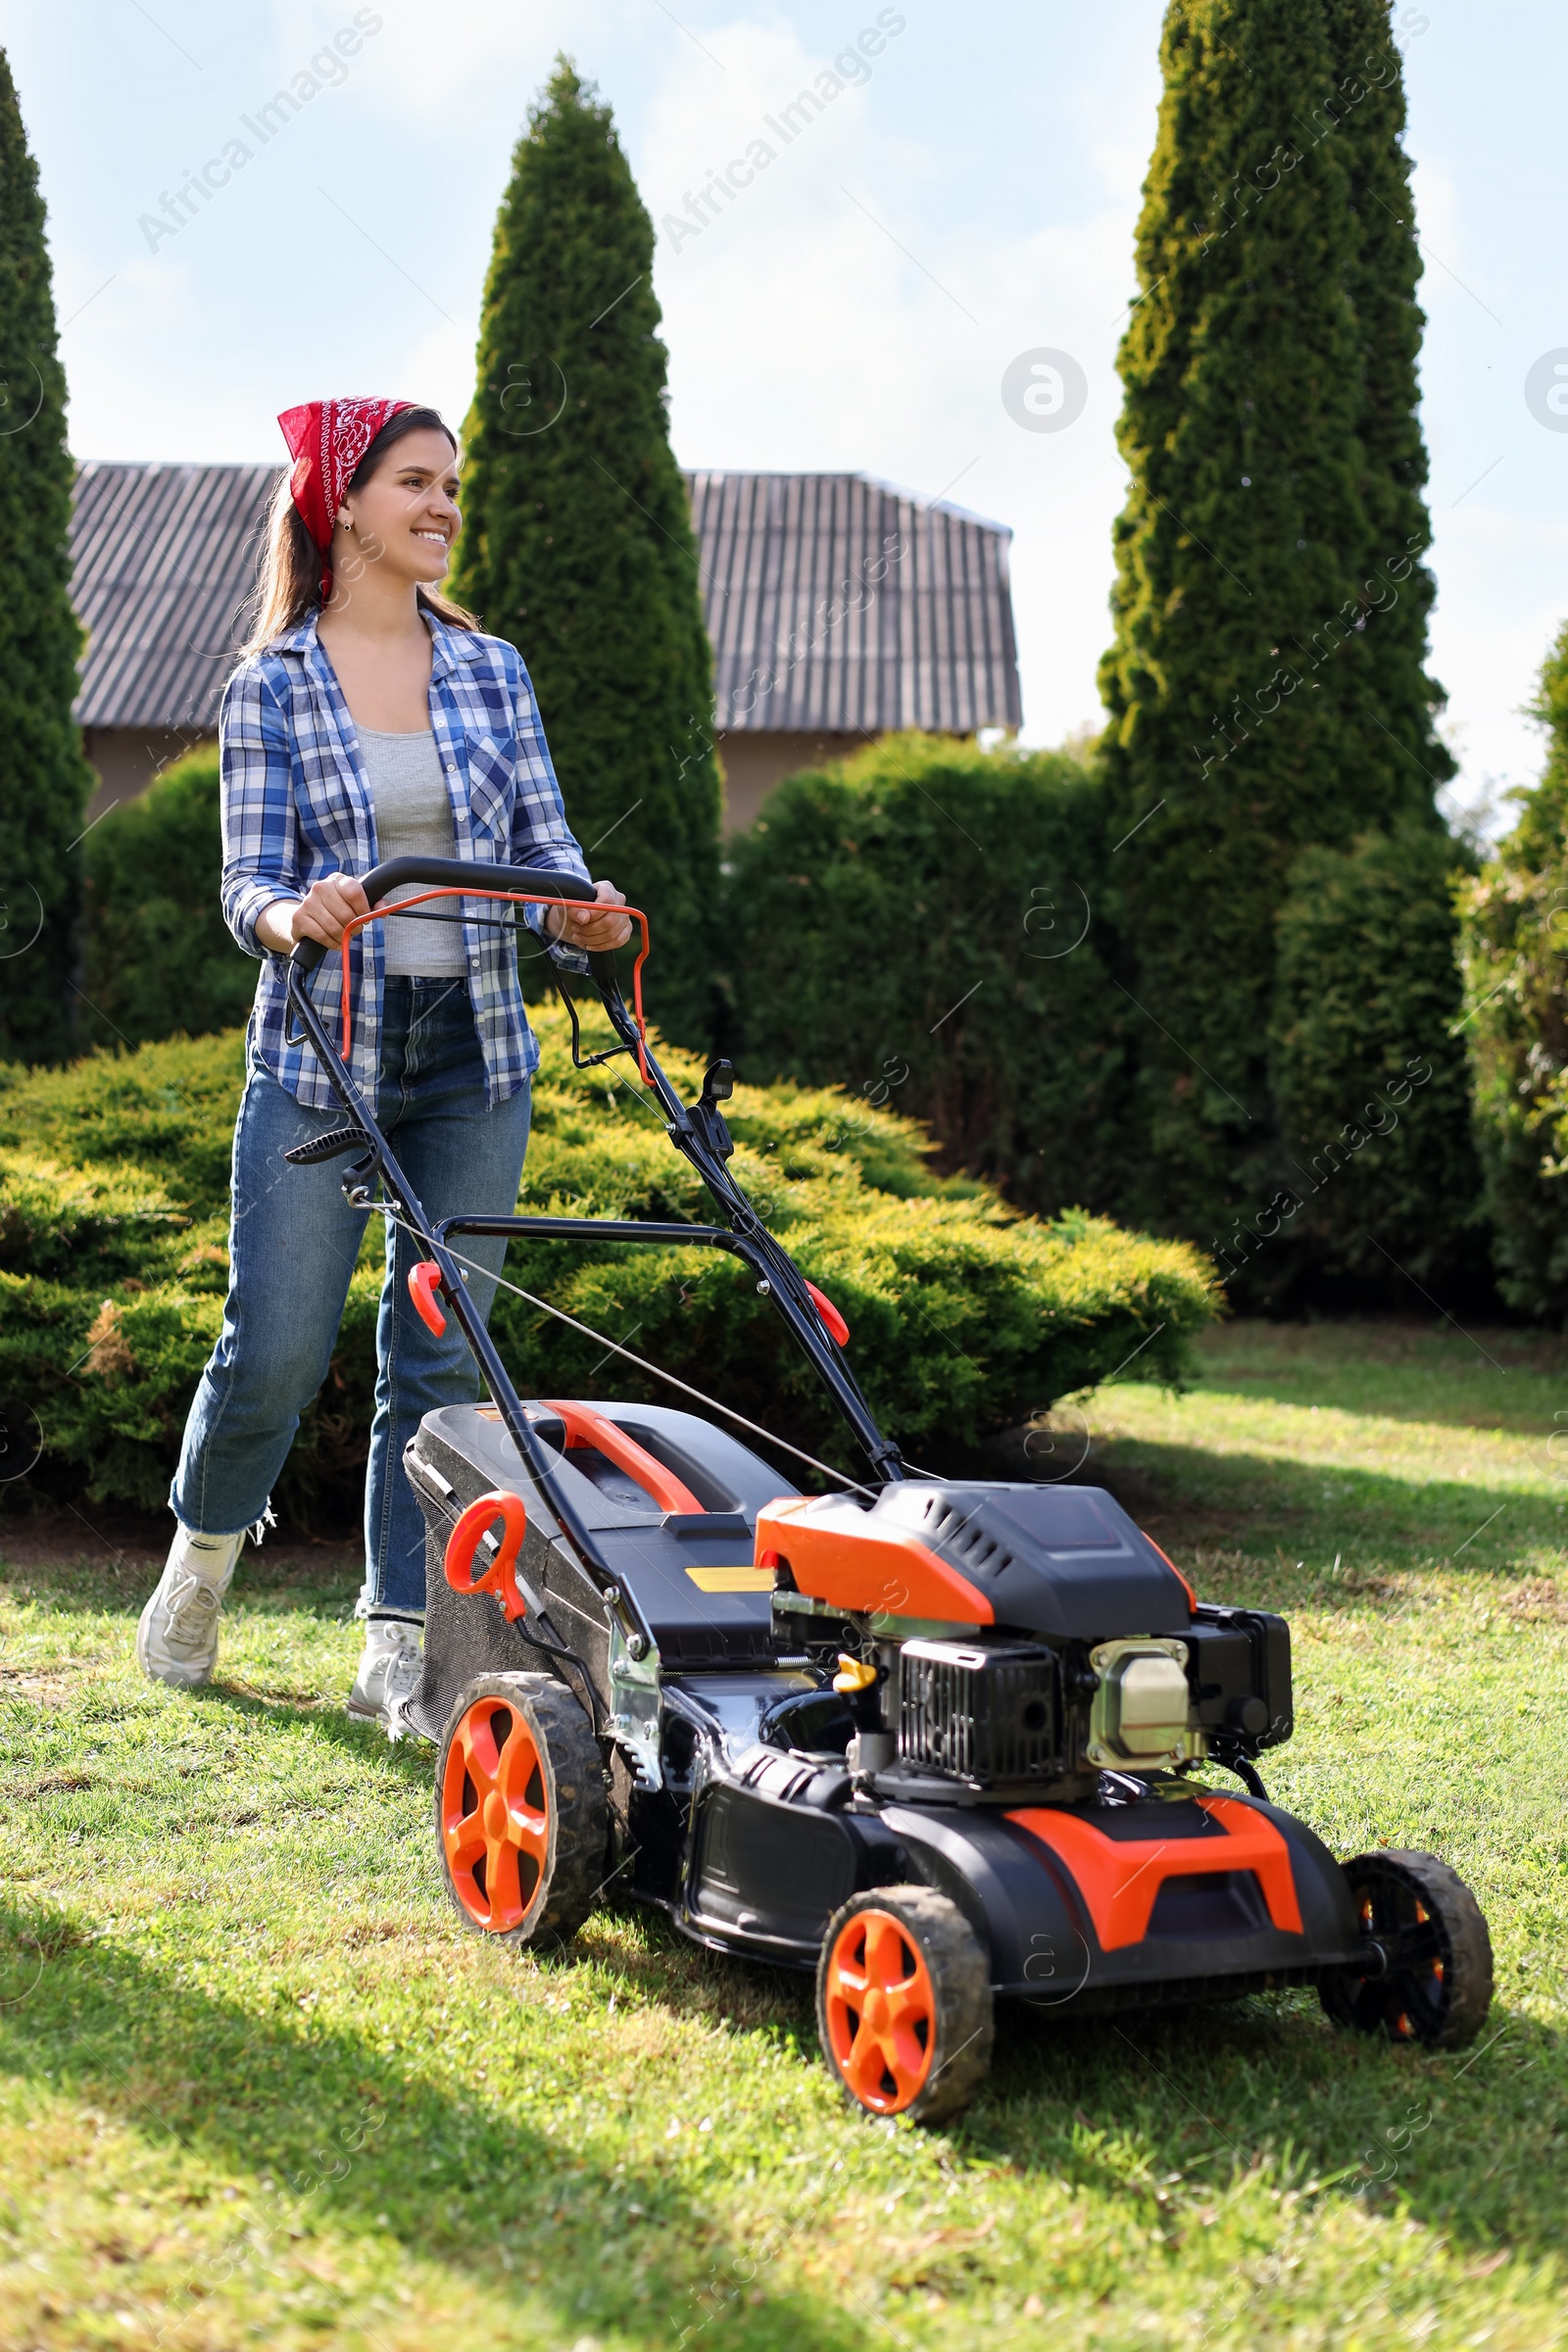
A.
pixel 689 1131
pixel 468 876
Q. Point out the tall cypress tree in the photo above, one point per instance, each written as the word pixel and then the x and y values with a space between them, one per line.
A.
pixel 44 780
pixel 1398 702
pixel 577 539
pixel 1368 976
pixel 1233 682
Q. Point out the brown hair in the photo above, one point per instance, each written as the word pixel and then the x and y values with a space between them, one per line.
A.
pixel 289 580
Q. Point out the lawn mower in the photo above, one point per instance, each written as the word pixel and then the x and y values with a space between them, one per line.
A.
pixel 943 1741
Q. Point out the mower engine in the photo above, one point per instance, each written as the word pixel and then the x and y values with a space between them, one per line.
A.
pixel 1015 1640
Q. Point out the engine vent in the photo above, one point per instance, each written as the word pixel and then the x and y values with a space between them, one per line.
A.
pixel 965 1536
pixel 978 1715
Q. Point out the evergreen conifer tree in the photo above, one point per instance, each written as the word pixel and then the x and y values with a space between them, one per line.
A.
pixel 1368 977
pixel 1235 681
pixel 577 541
pixel 44 780
pixel 1397 700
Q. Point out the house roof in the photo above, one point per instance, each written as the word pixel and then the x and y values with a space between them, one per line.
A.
pixel 834 603
pixel 164 558
pixel 838 602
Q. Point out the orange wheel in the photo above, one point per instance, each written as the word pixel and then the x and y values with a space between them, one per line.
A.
pixel 903 2003
pixel 495 1817
pixel 520 1809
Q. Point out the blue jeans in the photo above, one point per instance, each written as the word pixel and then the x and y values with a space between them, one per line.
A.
pixel 293 1244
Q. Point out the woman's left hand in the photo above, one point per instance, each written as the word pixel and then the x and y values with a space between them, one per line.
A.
pixel 593 928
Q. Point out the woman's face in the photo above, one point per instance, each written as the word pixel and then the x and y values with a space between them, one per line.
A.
pixel 406 517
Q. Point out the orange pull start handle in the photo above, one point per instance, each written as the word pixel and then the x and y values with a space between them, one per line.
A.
pixel 501 1576
pixel 837 1329
pixel 424 1280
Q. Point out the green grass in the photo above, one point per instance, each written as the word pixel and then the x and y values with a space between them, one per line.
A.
pixel 259 2087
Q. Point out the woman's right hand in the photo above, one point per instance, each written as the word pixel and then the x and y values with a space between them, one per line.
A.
pixel 321 915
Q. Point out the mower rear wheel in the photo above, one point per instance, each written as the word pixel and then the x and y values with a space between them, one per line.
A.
pixel 903 2003
pixel 1430 1980
pixel 520 1810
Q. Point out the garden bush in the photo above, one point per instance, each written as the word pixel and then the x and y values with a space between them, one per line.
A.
pixel 965 1318
pixel 159 958
pixel 927 924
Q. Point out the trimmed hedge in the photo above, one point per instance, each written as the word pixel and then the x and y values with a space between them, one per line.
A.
pixel 926 924
pixel 160 955
pixel 965 1318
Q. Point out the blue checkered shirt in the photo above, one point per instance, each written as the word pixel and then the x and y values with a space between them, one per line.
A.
pixel 297 807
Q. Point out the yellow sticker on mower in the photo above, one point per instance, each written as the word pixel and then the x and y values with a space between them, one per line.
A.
pixel 742 1576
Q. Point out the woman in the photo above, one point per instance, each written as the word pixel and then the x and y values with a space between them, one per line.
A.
pixel 367 719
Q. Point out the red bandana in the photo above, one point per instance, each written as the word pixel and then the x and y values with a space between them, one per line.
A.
pixel 327 440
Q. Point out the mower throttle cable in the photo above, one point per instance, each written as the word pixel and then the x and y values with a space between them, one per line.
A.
pixel 580 1060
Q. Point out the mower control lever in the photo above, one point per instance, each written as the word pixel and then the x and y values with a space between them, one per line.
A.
pixel 719 1084
pixel 329 1147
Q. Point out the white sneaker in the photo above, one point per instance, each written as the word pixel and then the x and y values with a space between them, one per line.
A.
pixel 391 1670
pixel 176 1637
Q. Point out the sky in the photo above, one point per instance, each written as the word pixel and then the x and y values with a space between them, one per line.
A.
pixel 967 200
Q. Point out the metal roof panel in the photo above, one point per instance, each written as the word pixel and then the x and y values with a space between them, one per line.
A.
pixel 835 603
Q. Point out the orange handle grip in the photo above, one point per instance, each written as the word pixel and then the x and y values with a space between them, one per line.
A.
pixel 501 1576
pixel 424 1280
pixel 837 1329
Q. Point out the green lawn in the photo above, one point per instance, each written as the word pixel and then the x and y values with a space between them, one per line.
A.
pixel 259 2088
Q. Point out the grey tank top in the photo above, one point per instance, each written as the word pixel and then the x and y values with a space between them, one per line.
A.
pixel 414 820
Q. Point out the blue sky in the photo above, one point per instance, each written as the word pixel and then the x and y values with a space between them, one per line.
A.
pixel 973 198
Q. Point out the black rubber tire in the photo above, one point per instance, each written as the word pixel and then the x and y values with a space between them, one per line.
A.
pixel 949 1977
pixel 560 1867
pixel 1437 1987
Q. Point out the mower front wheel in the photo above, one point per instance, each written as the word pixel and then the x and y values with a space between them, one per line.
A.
pixel 903 2003
pixel 520 1814
pixel 1428 1973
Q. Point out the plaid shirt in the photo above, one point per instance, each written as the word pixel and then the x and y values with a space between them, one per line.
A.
pixel 297 807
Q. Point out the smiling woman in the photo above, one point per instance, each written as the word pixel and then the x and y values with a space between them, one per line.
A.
pixel 368 717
